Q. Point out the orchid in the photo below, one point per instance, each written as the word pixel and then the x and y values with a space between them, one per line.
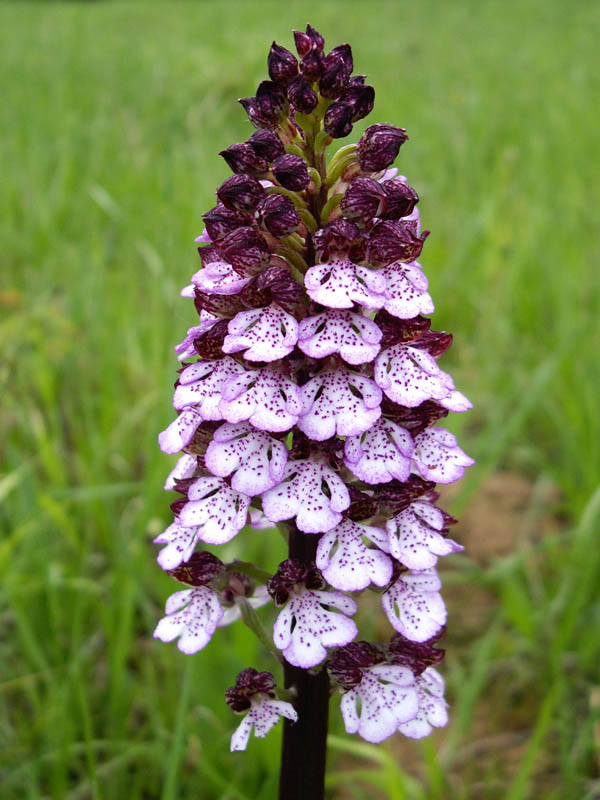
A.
pixel 307 402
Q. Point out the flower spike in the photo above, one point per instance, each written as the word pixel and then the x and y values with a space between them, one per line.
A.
pixel 308 398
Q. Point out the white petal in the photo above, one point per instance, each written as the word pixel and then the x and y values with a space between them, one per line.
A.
pixel 265 334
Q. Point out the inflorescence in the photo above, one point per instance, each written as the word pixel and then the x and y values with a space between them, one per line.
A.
pixel 308 394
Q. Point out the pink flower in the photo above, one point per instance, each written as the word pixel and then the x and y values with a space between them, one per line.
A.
pixel 438 457
pixel 414 605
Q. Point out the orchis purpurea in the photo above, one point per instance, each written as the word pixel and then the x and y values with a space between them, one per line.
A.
pixel 306 400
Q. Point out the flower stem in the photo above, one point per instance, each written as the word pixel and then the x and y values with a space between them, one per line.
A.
pixel 304 746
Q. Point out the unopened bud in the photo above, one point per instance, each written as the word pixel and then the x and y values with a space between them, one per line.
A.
pixel 220 221
pixel 266 144
pixel 200 570
pixel 400 199
pixel 282 64
pixel 361 98
pixel 364 199
pixel 379 146
pixel 277 215
pixel 338 120
pixel 240 193
pixel 246 250
pixel 291 172
pixel 271 100
pixel 395 241
pixel 337 237
pixel 301 94
pixel 243 158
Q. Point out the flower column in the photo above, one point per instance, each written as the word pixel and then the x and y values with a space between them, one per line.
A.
pixel 310 404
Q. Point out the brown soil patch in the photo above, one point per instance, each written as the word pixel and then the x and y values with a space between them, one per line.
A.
pixel 507 512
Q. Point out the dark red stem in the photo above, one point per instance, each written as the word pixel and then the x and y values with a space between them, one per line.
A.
pixel 304 748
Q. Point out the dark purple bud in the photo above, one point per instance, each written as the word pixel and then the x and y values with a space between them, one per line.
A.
pixel 291 573
pixel 200 570
pixel 239 586
pixel 317 41
pixel 177 505
pixel 395 241
pixel 209 345
pixel 291 172
pixel 303 43
pixel 277 214
pixel 311 66
pixel 379 146
pixel 415 420
pixel 267 144
pixel 222 305
pixel 338 119
pixel 240 193
pixel 301 94
pixel 242 157
pixel 401 199
pixel 274 284
pixel 343 53
pixel 435 342
pixel 247 684
pixel 220 221
pixel 396 496
pixel 415 655
pixel 346 663
pixel 357 80
pixel 199 444
pixel 338 236
pixel 337 66
pixel 282 64
pixel 364 199
pixel 362 99
pixel 251 107
pixel 209 254
pixel 246 250
pixel 271 100
pixel 396 331
pixel 361 505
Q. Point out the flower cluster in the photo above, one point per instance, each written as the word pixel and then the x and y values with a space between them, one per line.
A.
pixel 308 394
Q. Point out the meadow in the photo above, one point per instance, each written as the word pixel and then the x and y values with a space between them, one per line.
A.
pixel 112 118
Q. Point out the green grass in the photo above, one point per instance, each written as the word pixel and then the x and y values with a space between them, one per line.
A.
pixel 112 117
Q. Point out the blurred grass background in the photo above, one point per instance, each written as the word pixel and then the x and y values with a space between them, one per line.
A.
pixel 112 116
